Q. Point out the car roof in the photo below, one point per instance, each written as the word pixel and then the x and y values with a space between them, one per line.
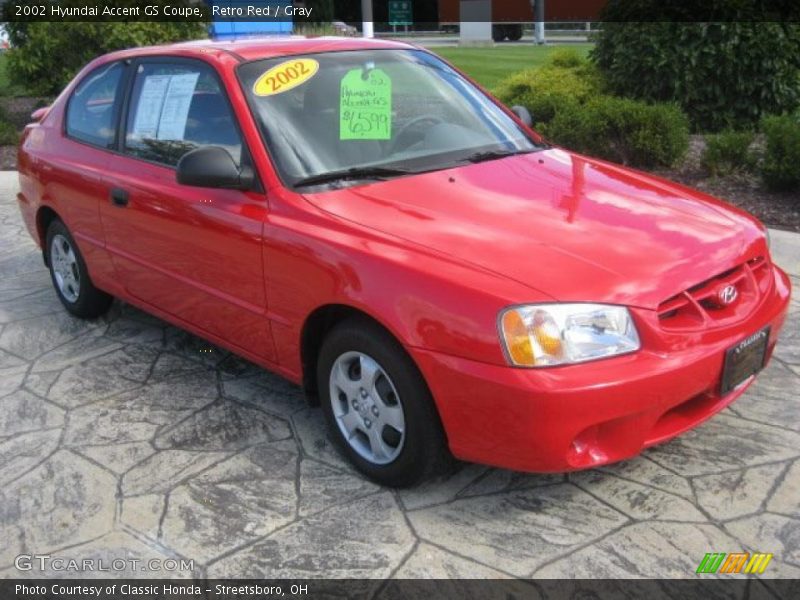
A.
pixel 254 48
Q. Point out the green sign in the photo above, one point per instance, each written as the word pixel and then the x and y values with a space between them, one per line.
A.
pixel 365 105
pixel 401 12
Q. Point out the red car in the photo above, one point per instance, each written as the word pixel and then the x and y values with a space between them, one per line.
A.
pixel 361 218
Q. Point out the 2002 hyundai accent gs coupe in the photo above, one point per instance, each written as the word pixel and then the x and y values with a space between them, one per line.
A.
pixel 361 218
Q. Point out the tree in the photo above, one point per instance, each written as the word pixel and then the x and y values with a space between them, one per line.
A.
pixel 45 56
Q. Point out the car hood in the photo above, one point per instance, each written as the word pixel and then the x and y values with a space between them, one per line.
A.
pixel 573 228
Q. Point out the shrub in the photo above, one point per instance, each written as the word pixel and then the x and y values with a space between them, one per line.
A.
pixel 728 151
pixel 567 58
pixel 622 130
pixel 781 166
pixel 567 78
pixel 9 136
pixel 725 73
pixel 543 91
pixel 45 56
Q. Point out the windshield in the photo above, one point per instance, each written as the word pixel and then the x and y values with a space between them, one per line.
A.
pixel 342 114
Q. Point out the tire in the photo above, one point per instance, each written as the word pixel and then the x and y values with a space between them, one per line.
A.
pixel 369 402
pixel 498 33
pixel 70 276
pixel 514 33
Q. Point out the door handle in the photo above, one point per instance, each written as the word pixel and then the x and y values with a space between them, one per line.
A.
pixel 119 197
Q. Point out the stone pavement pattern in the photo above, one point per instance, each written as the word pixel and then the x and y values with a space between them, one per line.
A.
pixel 126 437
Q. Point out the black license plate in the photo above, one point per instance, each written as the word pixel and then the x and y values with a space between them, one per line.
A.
pixel 744 359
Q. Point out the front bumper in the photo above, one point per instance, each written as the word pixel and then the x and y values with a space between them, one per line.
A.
pixel 581 416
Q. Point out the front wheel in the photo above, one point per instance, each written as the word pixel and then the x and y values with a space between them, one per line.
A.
pixel 70 275
pixel 379 410
pixel 499 33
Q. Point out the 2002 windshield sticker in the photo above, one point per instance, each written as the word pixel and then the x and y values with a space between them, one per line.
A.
pixel 365 106
pixel 285 76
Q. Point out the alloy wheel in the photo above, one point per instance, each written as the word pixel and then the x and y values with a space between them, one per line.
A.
pixel 65 268
pixel 367 408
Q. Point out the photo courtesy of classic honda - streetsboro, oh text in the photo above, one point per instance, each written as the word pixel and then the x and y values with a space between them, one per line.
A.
pixel 361 218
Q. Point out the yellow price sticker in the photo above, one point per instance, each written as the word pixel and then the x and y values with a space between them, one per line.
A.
pixel 285 76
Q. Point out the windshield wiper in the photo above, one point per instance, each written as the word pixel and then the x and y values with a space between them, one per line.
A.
pixel 494 154
pixel 352 173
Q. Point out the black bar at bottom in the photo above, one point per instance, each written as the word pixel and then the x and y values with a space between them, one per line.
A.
pixel 703 587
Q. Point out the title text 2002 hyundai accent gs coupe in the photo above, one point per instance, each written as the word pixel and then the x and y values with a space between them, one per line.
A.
pixel 362 219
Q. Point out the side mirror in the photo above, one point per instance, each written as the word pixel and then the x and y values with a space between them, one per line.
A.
pixel 523 114
pixel 214 167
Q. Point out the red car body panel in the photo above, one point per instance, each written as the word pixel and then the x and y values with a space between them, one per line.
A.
pixel 433 258
pixel 552 218
pixel 174 247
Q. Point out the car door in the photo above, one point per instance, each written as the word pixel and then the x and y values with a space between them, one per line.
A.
pixel 192 252
pixel 71 165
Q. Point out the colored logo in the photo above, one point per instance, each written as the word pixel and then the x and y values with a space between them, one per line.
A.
pixel 735 562
pixel 727 295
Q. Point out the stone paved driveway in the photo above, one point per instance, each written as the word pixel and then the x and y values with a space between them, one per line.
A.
pixel 126 437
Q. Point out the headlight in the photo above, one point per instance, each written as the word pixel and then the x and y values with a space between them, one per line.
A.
pixel 541 335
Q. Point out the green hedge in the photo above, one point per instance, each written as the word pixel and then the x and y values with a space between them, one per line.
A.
pixel 781 165
pixel 566 78
pixel 728 151
pixel 725 74
pixel 621 130
pixel 9 136
pixel 566 98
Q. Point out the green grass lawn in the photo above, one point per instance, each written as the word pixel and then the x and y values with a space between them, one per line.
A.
pixel 489 66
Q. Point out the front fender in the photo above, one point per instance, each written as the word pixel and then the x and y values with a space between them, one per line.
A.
pixel 425 299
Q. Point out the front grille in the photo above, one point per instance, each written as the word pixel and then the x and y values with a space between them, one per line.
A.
pixel 703 305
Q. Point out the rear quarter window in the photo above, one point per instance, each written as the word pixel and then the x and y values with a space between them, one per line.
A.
pixel 92 108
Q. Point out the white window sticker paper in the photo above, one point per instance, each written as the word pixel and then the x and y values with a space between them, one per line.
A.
pixel 174 113
pixel 163 107
pixel 148 111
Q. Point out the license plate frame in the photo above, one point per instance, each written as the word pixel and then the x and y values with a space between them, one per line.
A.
pixel 744 359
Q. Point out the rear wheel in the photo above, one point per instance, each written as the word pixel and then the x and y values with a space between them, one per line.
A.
pixel 70 276
pixel 379 410
pixel 514 33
